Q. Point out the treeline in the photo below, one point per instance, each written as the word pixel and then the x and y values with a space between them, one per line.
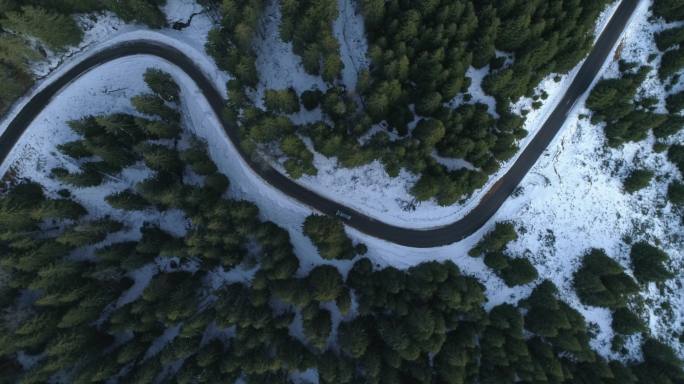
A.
pixel 51 22
pixel 70 311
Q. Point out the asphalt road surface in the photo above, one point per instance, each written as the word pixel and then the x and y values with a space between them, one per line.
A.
pixel 421 238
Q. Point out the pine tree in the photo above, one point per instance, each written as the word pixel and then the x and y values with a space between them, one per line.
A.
pixel 661 364
pixel 89 177
pixel 638 179
pixel 162 130
pixel 127 200
pixel 16 81
pixel 671 63
pixel 161 158
pixel 55 30
pixel 670 10
pixel 648 263
pixel 162 84
pixel 89 232
pixel 668 38
pixel 601 281
pixel 675 193
pixel 429 132
pixel 626 323
pixel 59 209
pixel 198 159
pixel 144 11
pixel 281 101
pixel 496 240
pixel 76 149
pixel 519 271
pixel 317 328
pixel 676 155
pixel 311 99
pixel 325 283
pixel 329 237
pixel 153 105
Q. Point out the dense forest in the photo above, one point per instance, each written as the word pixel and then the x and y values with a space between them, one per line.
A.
pixel 419 53
pixel 88 298
pixel 30 27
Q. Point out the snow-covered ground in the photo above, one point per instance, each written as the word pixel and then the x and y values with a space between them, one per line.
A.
pixel 369 188
pixel 570 201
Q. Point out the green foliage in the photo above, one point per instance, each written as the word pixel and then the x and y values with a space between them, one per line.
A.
pixel 661 364
pixel 513 271
pixel 143 11
pixel 611 100
pixel 127 200
pixel 162 84
pixel 311 99
pixel 15 52
pixel 676 155
pixel 300 159
pixel 161 158
pixel 627 323
pixel 265 128
pixel 89 177
pixel 495 240
pixel 309 26
pixel 669 37
pixel 231 44
pixel 154 105
pixel 671 63
pixel 161 130
pixel 675 193
pixel 601 281
pixel 325 282
pixel 197 157
pixel 429 132
pixel 16 80
pixel 89 232
pixel 675 102
pixel 637 179
pixel 328 235
pixel 649 263
pixel 556 322
pixel 281 101
pixel 53 29
pixel 670 10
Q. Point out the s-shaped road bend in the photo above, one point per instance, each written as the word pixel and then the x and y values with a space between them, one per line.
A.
pixel 419 238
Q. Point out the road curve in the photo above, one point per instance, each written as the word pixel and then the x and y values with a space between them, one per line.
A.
pixel 420 238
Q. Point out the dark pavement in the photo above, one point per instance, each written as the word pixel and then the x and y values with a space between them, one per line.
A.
pixel 421 238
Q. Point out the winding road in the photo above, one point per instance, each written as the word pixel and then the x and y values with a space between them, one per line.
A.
pixel 421 238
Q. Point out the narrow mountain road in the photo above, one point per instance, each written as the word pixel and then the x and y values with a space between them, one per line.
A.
pixel 421 238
